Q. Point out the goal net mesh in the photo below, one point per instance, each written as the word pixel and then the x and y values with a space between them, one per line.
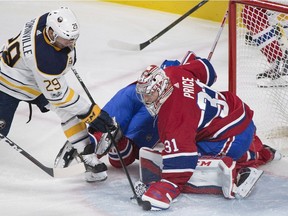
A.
pixel 261 70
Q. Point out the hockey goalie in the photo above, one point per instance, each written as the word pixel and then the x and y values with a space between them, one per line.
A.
pixel 213 148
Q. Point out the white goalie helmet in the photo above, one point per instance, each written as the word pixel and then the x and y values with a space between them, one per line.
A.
pixel 152 80
pixel 64 24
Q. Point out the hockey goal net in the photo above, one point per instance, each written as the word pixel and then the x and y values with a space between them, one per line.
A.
pixel 258 62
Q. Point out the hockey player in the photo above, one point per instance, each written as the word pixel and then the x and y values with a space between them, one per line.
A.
pixel 194 121
pixel 265 32
pixel 139 128
pixel 32 69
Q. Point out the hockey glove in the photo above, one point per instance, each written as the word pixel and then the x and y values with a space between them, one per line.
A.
pixel 169 63
pixel 98 119
pixel 104 141
pixel 161 194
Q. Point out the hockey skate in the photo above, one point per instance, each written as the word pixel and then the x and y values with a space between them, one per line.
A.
pixel 246 180
pixel 249 39
pixel 276 154
pixel 95 169
pixel 66 155
pixel 276 76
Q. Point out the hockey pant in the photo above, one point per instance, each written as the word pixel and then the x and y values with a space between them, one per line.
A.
pixel 245 148
pixel 8 107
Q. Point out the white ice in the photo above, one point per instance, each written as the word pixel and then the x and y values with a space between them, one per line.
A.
pixel 25 190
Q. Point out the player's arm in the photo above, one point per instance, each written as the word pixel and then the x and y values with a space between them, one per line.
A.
pixel 179 158
pixel 98 119
pixel 123 106
pixel 201 68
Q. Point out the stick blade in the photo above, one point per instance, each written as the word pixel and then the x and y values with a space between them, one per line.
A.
pixel 123 45
pixel 69 171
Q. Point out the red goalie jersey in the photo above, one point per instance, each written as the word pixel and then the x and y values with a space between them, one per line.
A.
pixel 194 112
pixel 195 120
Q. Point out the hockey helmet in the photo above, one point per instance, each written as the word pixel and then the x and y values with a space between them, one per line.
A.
pixel 64 24
pixel 153 80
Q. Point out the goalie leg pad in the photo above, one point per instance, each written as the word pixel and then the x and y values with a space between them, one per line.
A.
pixel 213 175
pixel 150 165
pixel 206 177
pixel 227 176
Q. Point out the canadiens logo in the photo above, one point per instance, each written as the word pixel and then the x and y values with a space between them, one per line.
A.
pixel 148 137
pixel 2 124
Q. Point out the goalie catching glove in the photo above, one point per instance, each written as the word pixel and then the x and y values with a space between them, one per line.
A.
pixel 98 119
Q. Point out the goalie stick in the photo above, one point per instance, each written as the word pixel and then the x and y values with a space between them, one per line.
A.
pixel 145 204
pixel 53 172
pixel 218 36
pixel 137 47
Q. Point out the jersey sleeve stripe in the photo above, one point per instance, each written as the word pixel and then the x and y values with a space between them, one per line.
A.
pixel 185 154
pixel 23 89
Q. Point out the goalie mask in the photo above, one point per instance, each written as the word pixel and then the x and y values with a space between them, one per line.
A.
pixel 154 88
pixel 64 24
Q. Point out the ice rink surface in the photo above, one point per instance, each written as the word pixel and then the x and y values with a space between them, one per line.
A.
pixel 25 190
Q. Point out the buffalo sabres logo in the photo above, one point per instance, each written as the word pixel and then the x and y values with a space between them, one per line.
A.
pixel 2 124
pixel 60 19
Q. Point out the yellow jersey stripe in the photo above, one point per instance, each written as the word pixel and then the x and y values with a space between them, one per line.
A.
pixel 22 88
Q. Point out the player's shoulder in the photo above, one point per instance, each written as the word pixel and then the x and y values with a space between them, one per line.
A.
pixel 179 74
pixel 48 60
pixel 129 90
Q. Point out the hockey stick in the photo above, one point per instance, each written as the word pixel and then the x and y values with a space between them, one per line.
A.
pixel 145 204
pixel 218 36
pixel 53 172
pixel 137 47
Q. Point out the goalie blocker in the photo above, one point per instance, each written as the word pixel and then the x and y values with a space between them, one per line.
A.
pixel 213 175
